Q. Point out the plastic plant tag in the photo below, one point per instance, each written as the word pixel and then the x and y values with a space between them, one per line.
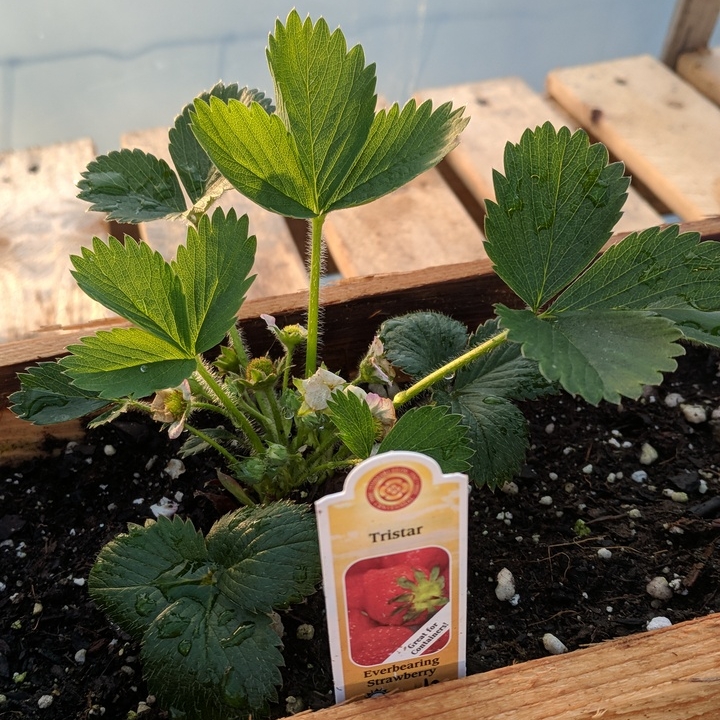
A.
pixel 393 545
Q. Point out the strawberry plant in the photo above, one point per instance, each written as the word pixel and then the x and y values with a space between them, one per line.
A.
pixel 598 326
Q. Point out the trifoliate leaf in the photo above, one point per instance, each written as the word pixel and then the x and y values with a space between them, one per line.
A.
pixel 134 572
pixel 655 269
pixel 212 660
pixel 127 362
pixel 555 208
pixel 197 172
pixel 354 422
pixel 47 396
pixel 270 554
pixel 137 284
pixel 421 342
pixel 434 431
pixel 213 269
pixel 597 354
pixel 325 96
pixel 402 144
pixel 131 186
pixel 497 433
pixel 502 372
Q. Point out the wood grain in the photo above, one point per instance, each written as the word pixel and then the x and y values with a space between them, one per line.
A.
pixel 278 265
pixel 669 674
pixel 42 223
pixel 500 111
pixel 666 132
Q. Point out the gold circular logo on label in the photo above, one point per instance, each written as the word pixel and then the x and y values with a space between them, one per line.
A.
pixel 393 488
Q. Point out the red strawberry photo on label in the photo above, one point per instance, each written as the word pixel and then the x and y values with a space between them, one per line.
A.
pixel 439 644
pixel 401 595
pixel 354 588
pixel 376 644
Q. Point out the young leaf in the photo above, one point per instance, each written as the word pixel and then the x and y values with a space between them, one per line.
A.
pixel 212 660
pixel 695 325
pixel 557 204
pixel 270 554
pixel 432 430
pixel 354 422
pixel 652 270
pixel 131 186
pixel 497 433
pixel 137 284
pixel 197 172
pixel 597 354
pixel 421 342
pixel 213 268
pixel 127 362
pixel 47 395
pixel 326 98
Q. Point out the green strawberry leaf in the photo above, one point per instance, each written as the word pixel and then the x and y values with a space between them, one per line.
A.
pixel 256 154
pixel 655 269
pixel 695 325
pixel 131 186
pixel 402 144
pixel 325 97
pixel 354 422
pixel 195 169
pixel 270 554
pixel 202 605
pixel 326 148
pixel 213 268
pixel 497 433
pixel 47 396
pixel 555 208
pixel 212 660
pixel 127 362
pixel 434 431
pixel 503 372
pixel 421 342
pixel 597 354
pixel 137 284
pixel 124 579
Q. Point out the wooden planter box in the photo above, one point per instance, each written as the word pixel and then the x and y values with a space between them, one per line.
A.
pixel 670 674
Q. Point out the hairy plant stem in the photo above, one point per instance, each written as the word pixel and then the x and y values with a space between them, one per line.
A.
pixel 212 443
pixel 313 321
pixel 235 414
pixel 238 345
pixel 450 368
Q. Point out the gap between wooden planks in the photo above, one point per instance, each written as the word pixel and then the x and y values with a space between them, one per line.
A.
pixel 702 70
pixel 669 674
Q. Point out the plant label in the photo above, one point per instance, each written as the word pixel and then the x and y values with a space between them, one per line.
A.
pixel 393 545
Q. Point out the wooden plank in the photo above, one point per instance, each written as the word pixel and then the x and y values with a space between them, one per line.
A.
pixel 278 264
pixel 664 130
pixel 702 70
pixel 670 674
pixel 423 224
pixel 500 111
pixel 41 224
pixel 691 26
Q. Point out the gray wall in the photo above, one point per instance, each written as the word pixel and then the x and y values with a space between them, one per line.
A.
pixel 75 68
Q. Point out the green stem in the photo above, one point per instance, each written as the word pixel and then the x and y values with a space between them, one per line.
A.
pixel 449 369
pixel 238 345
pixel 288 367
pixel 314 295
pixel 235 414
pixel 212 443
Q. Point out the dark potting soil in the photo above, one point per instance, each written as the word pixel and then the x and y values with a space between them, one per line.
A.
pixel 56 514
